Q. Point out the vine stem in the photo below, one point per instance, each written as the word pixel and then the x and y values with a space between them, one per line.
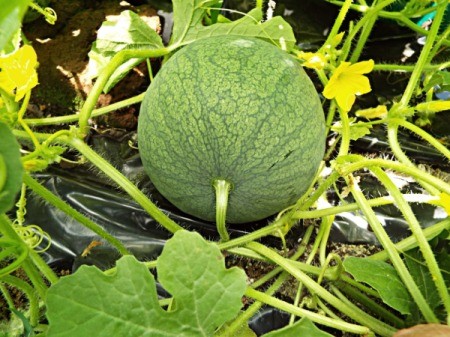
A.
pixel 409 68
pixel 361 24
pixel 410 242
pixel 95 113
pixel 389 246
pixel 338 22
pixel 424 55
pixel 351 311
pixel 20 114
pixel 28 266
pixel 116 61
pixel 112 173
pixel 399 167
pixel 402 157
pixel 373 306
pixel 317 318
pixel 423 134
pixel 29 292
pixel 365 32
pixel 245 316
pixel 396 16
pixel 416 230
pixel 63 206
pixel 222 188
pixel 124 183
pixel 345 140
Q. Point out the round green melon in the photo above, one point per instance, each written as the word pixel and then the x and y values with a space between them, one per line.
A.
pixel 236 109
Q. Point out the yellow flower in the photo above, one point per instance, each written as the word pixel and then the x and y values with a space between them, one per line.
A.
pixel 313 60
pixel 335 40
pixel 18 72
pixel 371 113
pixel 443 201
pixel 433 106
pixel 347 82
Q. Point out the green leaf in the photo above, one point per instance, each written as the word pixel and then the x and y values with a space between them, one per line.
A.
pixel 359 130
pixel 126 31
pixel 440 78
pixel 11 15
pixel 382 277
pixel 421 275
pixel 11 169
pixel 248 26
pixel 303 328
pixel 206 295
pixel 188 16
pixel 13 44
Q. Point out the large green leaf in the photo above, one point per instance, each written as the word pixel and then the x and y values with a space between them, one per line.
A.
pixel 11 169
pixel 382 277
pixel 188 25
pixel 11 15
pixel 206 295
pixel 303 328
pixel 188 14
pixel 127 31
pixel 274 30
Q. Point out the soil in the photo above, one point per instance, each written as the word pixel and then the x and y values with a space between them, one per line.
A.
pixel 62 49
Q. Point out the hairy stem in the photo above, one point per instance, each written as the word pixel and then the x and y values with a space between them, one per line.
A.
pixel 351 311
pixel 29 292
pixel 125 184
pixel 57 120
pixel 424 56
pixel 389 246
pixel 116 61
pixel 66 208
pixel 317 318
pixel 416 230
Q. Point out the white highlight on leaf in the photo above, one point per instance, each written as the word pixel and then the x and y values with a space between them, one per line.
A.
pixel 283 43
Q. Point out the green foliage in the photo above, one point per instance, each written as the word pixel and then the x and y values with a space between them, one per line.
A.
pixel 11 169
pixel 11 15
pixel 440 79
pixel 382 277
pixel 130 32
pixel 206 295
pixel 126 32
pixel 421 275
pixel 273 31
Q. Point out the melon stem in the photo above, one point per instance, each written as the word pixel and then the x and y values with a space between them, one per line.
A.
pixel 222 188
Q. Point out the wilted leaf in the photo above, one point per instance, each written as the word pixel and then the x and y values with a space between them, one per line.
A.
pixel 206 295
